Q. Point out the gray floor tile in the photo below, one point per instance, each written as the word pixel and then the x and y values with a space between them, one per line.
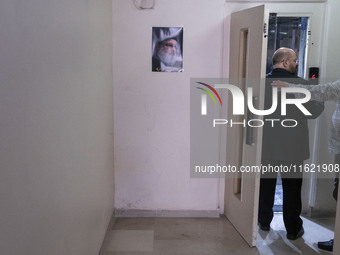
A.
pixel 213 236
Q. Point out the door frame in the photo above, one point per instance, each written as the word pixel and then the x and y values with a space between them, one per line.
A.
pixel 315 58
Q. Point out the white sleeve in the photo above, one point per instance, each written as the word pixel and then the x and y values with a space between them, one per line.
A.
pixel 322 92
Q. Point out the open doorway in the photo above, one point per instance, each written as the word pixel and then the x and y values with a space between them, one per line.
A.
pixel 314 14
pixel 290 32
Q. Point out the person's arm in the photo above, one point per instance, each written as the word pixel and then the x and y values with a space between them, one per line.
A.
pixel 322 92
pixel 315 108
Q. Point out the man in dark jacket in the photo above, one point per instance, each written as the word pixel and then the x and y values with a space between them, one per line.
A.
pixel 285 146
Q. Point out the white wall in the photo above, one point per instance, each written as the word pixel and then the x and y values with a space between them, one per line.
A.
pixel 151 110
pixel 56 120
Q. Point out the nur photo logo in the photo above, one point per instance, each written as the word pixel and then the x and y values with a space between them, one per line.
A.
pixel 240 101
pixel 204 97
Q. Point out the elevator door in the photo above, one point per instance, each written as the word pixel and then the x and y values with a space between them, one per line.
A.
pixel 291 32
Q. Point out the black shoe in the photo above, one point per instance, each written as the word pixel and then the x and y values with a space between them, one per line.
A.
pixel 297 235
pixel 264 227
pixel 327 245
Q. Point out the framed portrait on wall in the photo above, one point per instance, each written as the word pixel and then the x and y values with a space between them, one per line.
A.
pixel 167 49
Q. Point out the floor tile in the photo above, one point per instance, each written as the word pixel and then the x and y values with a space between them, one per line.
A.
pixel 131 241
pixel 213 236
pixel 276 242
pixel 134 223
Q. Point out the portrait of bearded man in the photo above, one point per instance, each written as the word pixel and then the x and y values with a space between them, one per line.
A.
pixel 167 49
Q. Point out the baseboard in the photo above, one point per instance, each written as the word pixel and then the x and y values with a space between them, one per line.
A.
pixel 167 213
pixel 107 233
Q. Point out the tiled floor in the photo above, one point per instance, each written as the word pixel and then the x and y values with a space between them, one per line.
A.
pixel 278 200
pixel 197 236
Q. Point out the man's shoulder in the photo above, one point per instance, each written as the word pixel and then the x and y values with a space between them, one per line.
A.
pixel 284 75
pixel 279 73
pixel 298 80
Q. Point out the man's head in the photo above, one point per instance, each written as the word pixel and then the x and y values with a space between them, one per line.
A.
pixel 285 58
pixel 167 51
